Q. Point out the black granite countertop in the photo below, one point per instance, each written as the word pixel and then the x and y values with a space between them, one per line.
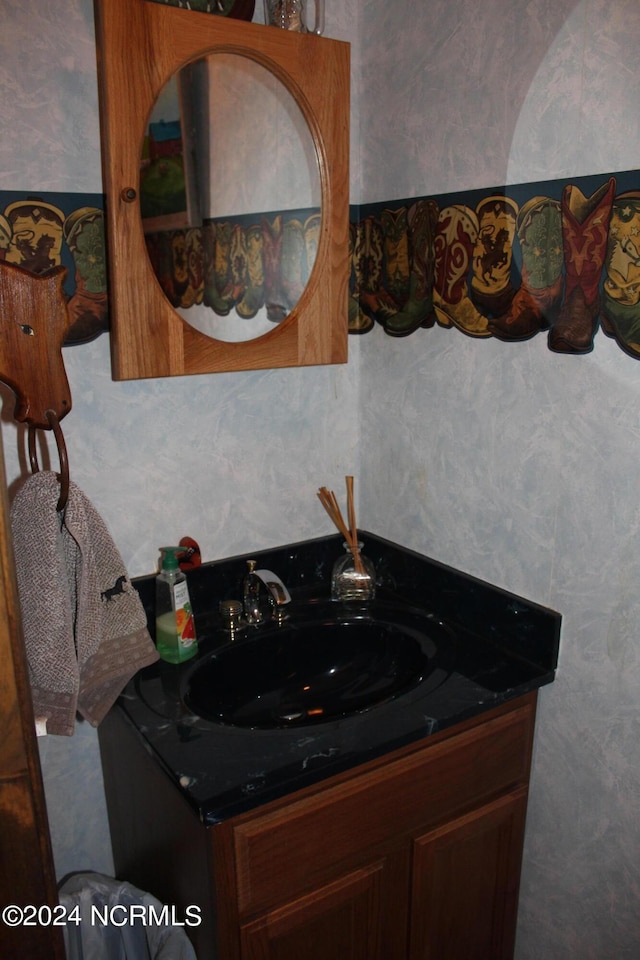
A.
pixel 505 646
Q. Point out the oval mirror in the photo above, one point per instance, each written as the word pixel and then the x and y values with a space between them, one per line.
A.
pixel 290 88
pixel 230 197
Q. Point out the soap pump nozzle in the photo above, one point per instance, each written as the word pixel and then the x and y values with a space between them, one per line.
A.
pixel 169 557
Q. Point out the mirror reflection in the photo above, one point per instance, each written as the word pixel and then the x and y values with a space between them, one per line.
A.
pixel 230 197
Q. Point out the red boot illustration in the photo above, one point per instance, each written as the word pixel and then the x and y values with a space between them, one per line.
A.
pixel 585 228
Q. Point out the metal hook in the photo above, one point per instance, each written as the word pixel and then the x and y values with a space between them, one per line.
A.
pixel 63 476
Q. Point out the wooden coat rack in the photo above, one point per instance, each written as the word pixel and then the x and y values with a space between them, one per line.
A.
pixel 33 324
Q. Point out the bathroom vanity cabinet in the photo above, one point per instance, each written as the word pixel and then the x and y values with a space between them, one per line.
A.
pixel 389 833
pixel 415 854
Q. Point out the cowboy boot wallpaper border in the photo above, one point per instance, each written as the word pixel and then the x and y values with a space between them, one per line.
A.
pixel 532 258
pixel 559 257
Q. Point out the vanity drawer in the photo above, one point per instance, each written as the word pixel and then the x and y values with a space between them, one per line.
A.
pixel 300 844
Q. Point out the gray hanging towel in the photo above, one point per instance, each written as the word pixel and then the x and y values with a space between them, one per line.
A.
pixel 84 625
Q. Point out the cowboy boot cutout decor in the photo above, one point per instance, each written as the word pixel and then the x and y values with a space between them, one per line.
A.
pixel 209 292
pixel 253 298
pixel 312 227
pixel 274 296
pixel 358 321
pixel 179 266
pixel 397 268
pixel 6 233
pixel 159 252
pixel 585 227
pixel 455 239
pixel 491 287
pixel 418 309
pixel 36 235
pixel 293 265
pixel 620 315
pixel 537 301
pixel 217 260
pixel 235 291
pixel 87 307
pixel 376 302
pixel 194 259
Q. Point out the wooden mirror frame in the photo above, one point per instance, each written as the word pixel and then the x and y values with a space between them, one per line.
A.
pixel 141 44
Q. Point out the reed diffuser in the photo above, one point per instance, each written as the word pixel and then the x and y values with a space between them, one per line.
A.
pixel 353 576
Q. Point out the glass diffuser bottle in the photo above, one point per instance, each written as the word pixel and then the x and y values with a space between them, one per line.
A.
pixel 353 576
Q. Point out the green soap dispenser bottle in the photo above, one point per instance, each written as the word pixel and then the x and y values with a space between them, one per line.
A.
pixel 175 628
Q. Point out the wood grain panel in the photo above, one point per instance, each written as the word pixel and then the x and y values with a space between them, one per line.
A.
pixel 291 849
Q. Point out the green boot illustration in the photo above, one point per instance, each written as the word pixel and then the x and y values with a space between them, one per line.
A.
pixel 397 260
pixel 253 299
pixel 620 316
pixel 217 261
pixel 88 309
pixel 417 311
pixel 536 303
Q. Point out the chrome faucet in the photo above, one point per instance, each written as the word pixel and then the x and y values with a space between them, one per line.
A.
pixel 277 595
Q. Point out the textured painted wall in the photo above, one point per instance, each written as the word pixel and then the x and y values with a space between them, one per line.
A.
pixel 233 459
pixel 509 461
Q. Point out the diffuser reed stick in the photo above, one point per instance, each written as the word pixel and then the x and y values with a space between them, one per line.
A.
pixel 329 501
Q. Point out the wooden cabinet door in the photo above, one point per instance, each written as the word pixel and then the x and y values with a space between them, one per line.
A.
pixel 466 876
pixel 340 920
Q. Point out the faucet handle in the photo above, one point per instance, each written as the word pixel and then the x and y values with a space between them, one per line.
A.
pixel 231 613
pixel 230 609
